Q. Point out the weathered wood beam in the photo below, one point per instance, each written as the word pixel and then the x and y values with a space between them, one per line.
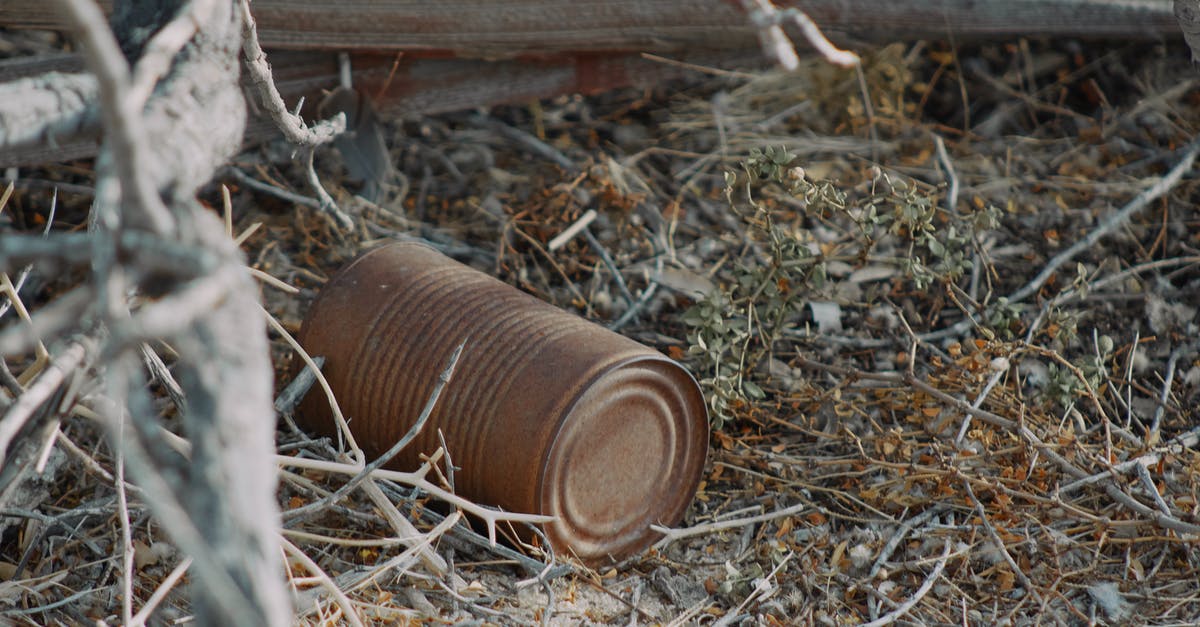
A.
pixel 496 29
pixel 399 86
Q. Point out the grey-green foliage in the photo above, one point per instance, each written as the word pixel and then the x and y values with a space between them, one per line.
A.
pixel 940 243
pixel 1063 385
pixel 1004 318
pixel 735 328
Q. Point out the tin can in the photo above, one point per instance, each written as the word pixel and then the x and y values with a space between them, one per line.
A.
pixel 546 412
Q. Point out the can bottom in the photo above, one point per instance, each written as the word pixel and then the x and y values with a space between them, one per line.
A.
pixel 628 454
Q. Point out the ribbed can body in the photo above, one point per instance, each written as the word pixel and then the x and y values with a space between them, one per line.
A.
pixel 546 412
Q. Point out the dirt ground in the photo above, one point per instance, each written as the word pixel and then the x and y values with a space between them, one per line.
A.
pixel 944 311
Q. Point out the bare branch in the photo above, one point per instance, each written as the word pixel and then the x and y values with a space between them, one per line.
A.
pixel 290 124
pixel 122 115
pixel 395 449
pixel 50 108
pixel 1113 222
pixel 775 42
pixel 37 394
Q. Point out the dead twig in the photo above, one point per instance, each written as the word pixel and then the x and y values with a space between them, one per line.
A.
pixel 912 601
pixel 1113 222
pixel 775 42
pixel 417 479
pixel 670 535
pixel 413 431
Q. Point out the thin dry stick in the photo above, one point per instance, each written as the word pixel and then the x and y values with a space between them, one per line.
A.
pixel 1099 284
pixel 162 375
pixel 1090 393
pixel 127 571
pixel 227 205
pixel 951 175
pixel 395 449
pixel 1152 434
pixel 778 47
pixel 24 274
pixel 272 281
pixel 89 463
pixel 535 145
pixel 407 532
pixel 6 195
pixel 10 290
pixel 550 258
pixel 1157 517
pixel 305 536
pixel 670 535
pixel 569 233
pixel 1182 441
pixel 259 186
pixel 868 109
pixel 173 516
pixel 895 614
pixel 289 124
pixel 160 593
pixel 40 392
pixel 44 456
pixel 417 479
pixel 608 262
pixel 291 395
pixel 448 477
pixel 406 558
pixel 1003 550
pixel 1148 482
pixel 688 616
pixel 245 235
pixel 1113 222
pixel 356 453
pixel 339 597
pixel 762 589
pixel 987 389
pixel 328 205
pixel 8 380
pixel 703 69
pixel 638 305
pixel 634 610
pixel 1128 384
pixel 1116 220
pixel 894 542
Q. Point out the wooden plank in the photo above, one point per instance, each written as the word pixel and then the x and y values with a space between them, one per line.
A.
pixel 404 87
pixel 495 28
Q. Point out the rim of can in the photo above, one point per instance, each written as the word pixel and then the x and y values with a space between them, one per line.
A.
pixel 628 452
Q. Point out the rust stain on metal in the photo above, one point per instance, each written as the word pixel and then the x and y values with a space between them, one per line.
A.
pixel 546 413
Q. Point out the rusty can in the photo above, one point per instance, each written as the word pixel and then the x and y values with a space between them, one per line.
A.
pixel 546 412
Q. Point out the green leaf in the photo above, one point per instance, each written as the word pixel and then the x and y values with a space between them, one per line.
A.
pixel 752 390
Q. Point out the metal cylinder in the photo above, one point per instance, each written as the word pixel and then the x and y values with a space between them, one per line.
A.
pixel 546 412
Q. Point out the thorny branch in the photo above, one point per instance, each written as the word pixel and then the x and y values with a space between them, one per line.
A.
pixel 290 124
pixel 164 140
